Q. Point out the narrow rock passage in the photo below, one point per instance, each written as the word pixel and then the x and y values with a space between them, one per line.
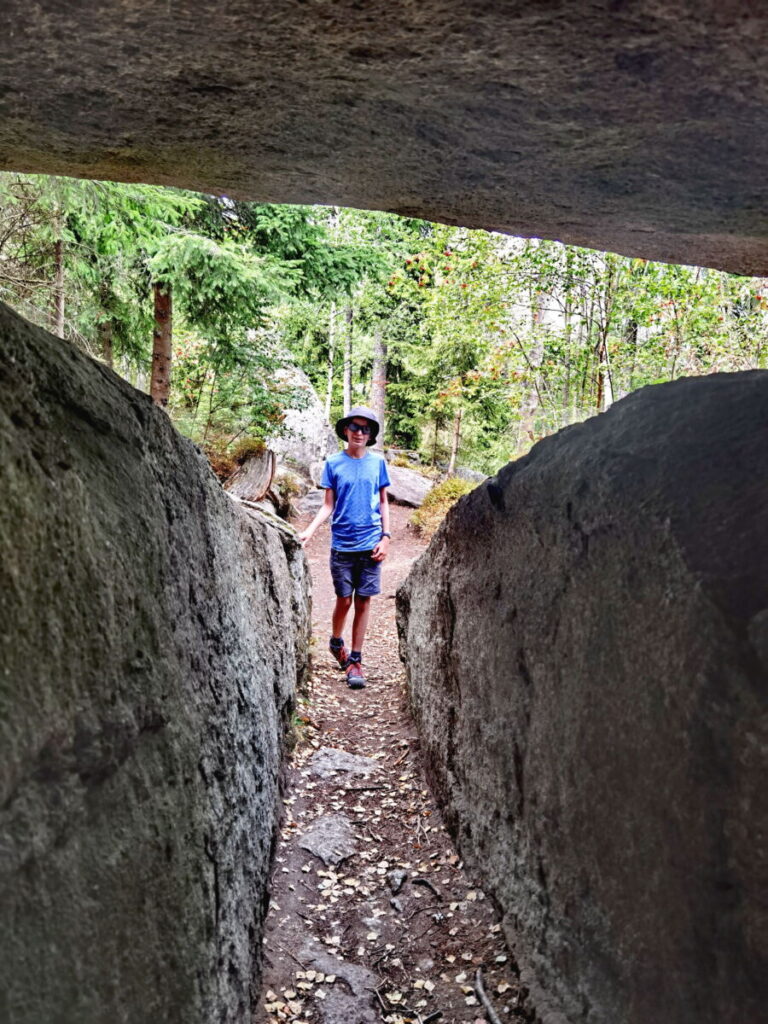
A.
pixel 373 917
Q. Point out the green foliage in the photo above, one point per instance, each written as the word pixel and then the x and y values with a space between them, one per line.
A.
pixel 490 340
pixel 223 288
pixel 298 238
pixel 436 504
pixel 247 447
pixel 226 264
pixel 230 390
pixel 523 337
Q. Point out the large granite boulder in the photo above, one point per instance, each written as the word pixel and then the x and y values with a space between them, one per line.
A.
pixel 586 642
pixel 151 636
pixel 407 486
pixel 635 127
pixel 307 437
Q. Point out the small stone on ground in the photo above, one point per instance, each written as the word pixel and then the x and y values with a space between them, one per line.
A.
pixel 331 838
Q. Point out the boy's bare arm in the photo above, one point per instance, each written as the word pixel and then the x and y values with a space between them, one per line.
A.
pixel 323 513
pixel 381 550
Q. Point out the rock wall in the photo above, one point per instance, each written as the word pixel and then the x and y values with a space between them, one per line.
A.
pixel 148 663
pixel 586 642
pixel 637 127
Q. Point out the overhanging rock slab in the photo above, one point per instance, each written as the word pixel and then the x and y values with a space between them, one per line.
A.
pixel 635 127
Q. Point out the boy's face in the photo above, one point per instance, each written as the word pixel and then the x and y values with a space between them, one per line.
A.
pixel 357 439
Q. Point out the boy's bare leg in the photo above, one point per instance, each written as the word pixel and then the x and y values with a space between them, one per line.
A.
pixel 339 617
pixel 360 622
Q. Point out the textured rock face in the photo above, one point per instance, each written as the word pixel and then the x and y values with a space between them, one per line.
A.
pixel 408 486
pixel 308 438
pixel 587 650
pixel 148 666
pixel 637 127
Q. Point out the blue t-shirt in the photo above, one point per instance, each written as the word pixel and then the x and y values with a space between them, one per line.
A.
pixel 356 523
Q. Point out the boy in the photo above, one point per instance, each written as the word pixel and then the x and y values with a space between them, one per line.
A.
pixel 355 482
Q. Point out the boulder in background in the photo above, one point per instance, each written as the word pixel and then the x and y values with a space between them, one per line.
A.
pixel 473 475
pixel 408 487
pixel 308 438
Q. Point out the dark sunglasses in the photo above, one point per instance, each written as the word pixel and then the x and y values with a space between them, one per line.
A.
pixel 359 428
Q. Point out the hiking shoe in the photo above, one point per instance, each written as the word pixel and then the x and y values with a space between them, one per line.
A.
pixel 355 676
pixel 341 654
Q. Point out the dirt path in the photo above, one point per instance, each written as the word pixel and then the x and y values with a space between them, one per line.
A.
pixel 380 922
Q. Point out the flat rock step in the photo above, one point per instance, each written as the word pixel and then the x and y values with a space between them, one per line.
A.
pixel 331 838
pixel 330 760
pixel 354 1006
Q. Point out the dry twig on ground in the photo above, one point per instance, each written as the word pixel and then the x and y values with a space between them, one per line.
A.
pixel 490 1013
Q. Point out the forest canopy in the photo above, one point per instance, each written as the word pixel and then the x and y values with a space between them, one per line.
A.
pixel 473 344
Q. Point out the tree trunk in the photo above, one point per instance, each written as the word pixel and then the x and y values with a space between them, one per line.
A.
pixel 348 314
pixel 58 284
pixel 604 382
pixel 160 384
pixel 632 332
pixel 455 442
pixel 106 325
pixel 379 383
pixel 530 404
pixel 604 375
pixel 567 347
pixel 678 343
pixel 105 342
pixel 599 400
pixel 331 357
pixel 253 478
pixel 585 348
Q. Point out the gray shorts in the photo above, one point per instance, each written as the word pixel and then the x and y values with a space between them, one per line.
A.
pixel 355 571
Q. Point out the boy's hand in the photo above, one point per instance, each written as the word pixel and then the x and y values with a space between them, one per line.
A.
pixel 381 550
pixel 305 535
